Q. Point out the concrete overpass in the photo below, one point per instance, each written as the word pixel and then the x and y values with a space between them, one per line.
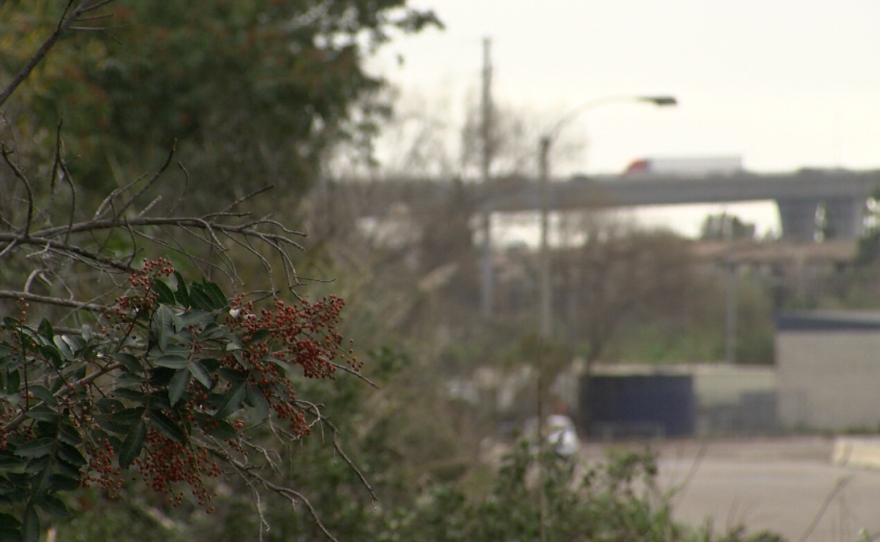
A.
pixel 842 193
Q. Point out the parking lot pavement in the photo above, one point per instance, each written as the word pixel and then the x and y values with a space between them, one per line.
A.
pixel 786 485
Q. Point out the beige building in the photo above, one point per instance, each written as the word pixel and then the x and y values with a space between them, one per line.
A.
pixel 828 365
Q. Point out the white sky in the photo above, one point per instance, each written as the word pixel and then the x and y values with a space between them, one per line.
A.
pixel 784 84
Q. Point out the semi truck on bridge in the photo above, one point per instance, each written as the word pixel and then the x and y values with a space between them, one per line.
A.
pixel 698 166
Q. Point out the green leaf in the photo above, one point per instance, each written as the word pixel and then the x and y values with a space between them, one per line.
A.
pixel 75 343
pixel 9 462
pixel 257 400
pixel 133 444
pixel 198 319
pixel 66 470
pixel 166 296
pixel 218 298
pixel 107 405
pixel 42 393
pixel 181 295
pixel 128 416
pixel 10 528
pixel 36 448
pixel 45 329
pixel 213 331
pixel 231 375
pixel 63 348
pixel 167 426
pixel 130 380
pixel 70 454
pixel 44 428
pixel 130 394
pixel 40 484
pixel 231 400
pixel 131 363
pixel 7 361
pixel 222 430
pixel 178 385
pixel 42 413
pixel 53 354
pixel 53 505
pixel 199 298
pixel 201 373
pixel 58 482
pixel 234 343
pixel 259 336
pixel 13 382
pixel 69 434
pixel 30 531
pixel 171 361
pixel 163 326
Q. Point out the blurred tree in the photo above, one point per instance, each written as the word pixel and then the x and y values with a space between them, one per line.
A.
pixel 715 228
pixel 256 91
pixel 620 272
pixel 617 275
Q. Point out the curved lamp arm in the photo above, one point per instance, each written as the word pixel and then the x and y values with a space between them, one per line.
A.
pixel 659 101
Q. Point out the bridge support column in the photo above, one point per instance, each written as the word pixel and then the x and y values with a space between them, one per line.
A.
pixel 798 217
pixel 845 217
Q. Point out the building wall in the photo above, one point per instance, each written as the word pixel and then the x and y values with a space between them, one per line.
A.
pixel 829 379
pixel 729 399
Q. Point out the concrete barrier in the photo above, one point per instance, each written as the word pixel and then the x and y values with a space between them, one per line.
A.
pixel 856 452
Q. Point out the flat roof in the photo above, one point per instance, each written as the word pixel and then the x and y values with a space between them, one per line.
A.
pixel 827 320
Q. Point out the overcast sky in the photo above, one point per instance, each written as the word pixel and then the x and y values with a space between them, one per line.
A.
pixel 783 84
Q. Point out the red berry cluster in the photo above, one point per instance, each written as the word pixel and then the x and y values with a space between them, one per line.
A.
pixel 101 469
pixel 142 280
pixel 303 335
pixel 168 462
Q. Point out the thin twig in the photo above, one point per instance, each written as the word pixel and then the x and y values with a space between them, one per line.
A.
pixel 150 182
pixel 355 373
pixel 27 185
pixel 825 504
pixel 63 392
pixel 64 23
pixel 48 300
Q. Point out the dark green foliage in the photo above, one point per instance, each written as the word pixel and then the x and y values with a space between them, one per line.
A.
pixel 255 92
pixel 152 387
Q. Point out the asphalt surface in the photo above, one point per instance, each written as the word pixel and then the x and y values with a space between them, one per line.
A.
pixel 786 485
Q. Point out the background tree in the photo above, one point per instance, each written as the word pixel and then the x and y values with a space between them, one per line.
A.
pixel 254 91
pixel 112 358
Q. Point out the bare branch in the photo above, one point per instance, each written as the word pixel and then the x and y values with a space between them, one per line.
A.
pixel 48 300
pixel 66 390
pixel 150 183
pixel 355 373
pixel 27 185
pixel 64 23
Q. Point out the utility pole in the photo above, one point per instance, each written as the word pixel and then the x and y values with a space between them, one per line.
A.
pixel 730 331
pixel 487 290
pixel 544 290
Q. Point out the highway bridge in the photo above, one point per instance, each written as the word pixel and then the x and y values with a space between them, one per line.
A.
pixel 843 194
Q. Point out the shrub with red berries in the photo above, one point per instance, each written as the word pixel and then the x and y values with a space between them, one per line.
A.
pixel 166 384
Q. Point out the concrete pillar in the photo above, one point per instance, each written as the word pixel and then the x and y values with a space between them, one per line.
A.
pixel 845 217
pixel 798 217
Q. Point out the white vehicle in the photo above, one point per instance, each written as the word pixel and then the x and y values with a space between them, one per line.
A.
pixel 685 166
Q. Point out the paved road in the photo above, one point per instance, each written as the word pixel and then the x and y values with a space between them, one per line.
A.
pixel 772 484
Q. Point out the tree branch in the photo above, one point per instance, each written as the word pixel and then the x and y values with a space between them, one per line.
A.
pixel 64 23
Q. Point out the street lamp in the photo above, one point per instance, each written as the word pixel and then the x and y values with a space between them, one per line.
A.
pixel 545 143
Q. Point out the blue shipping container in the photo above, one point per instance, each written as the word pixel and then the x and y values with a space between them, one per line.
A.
pixel 641 403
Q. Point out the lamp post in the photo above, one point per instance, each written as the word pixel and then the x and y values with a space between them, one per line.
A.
pixel 545 143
